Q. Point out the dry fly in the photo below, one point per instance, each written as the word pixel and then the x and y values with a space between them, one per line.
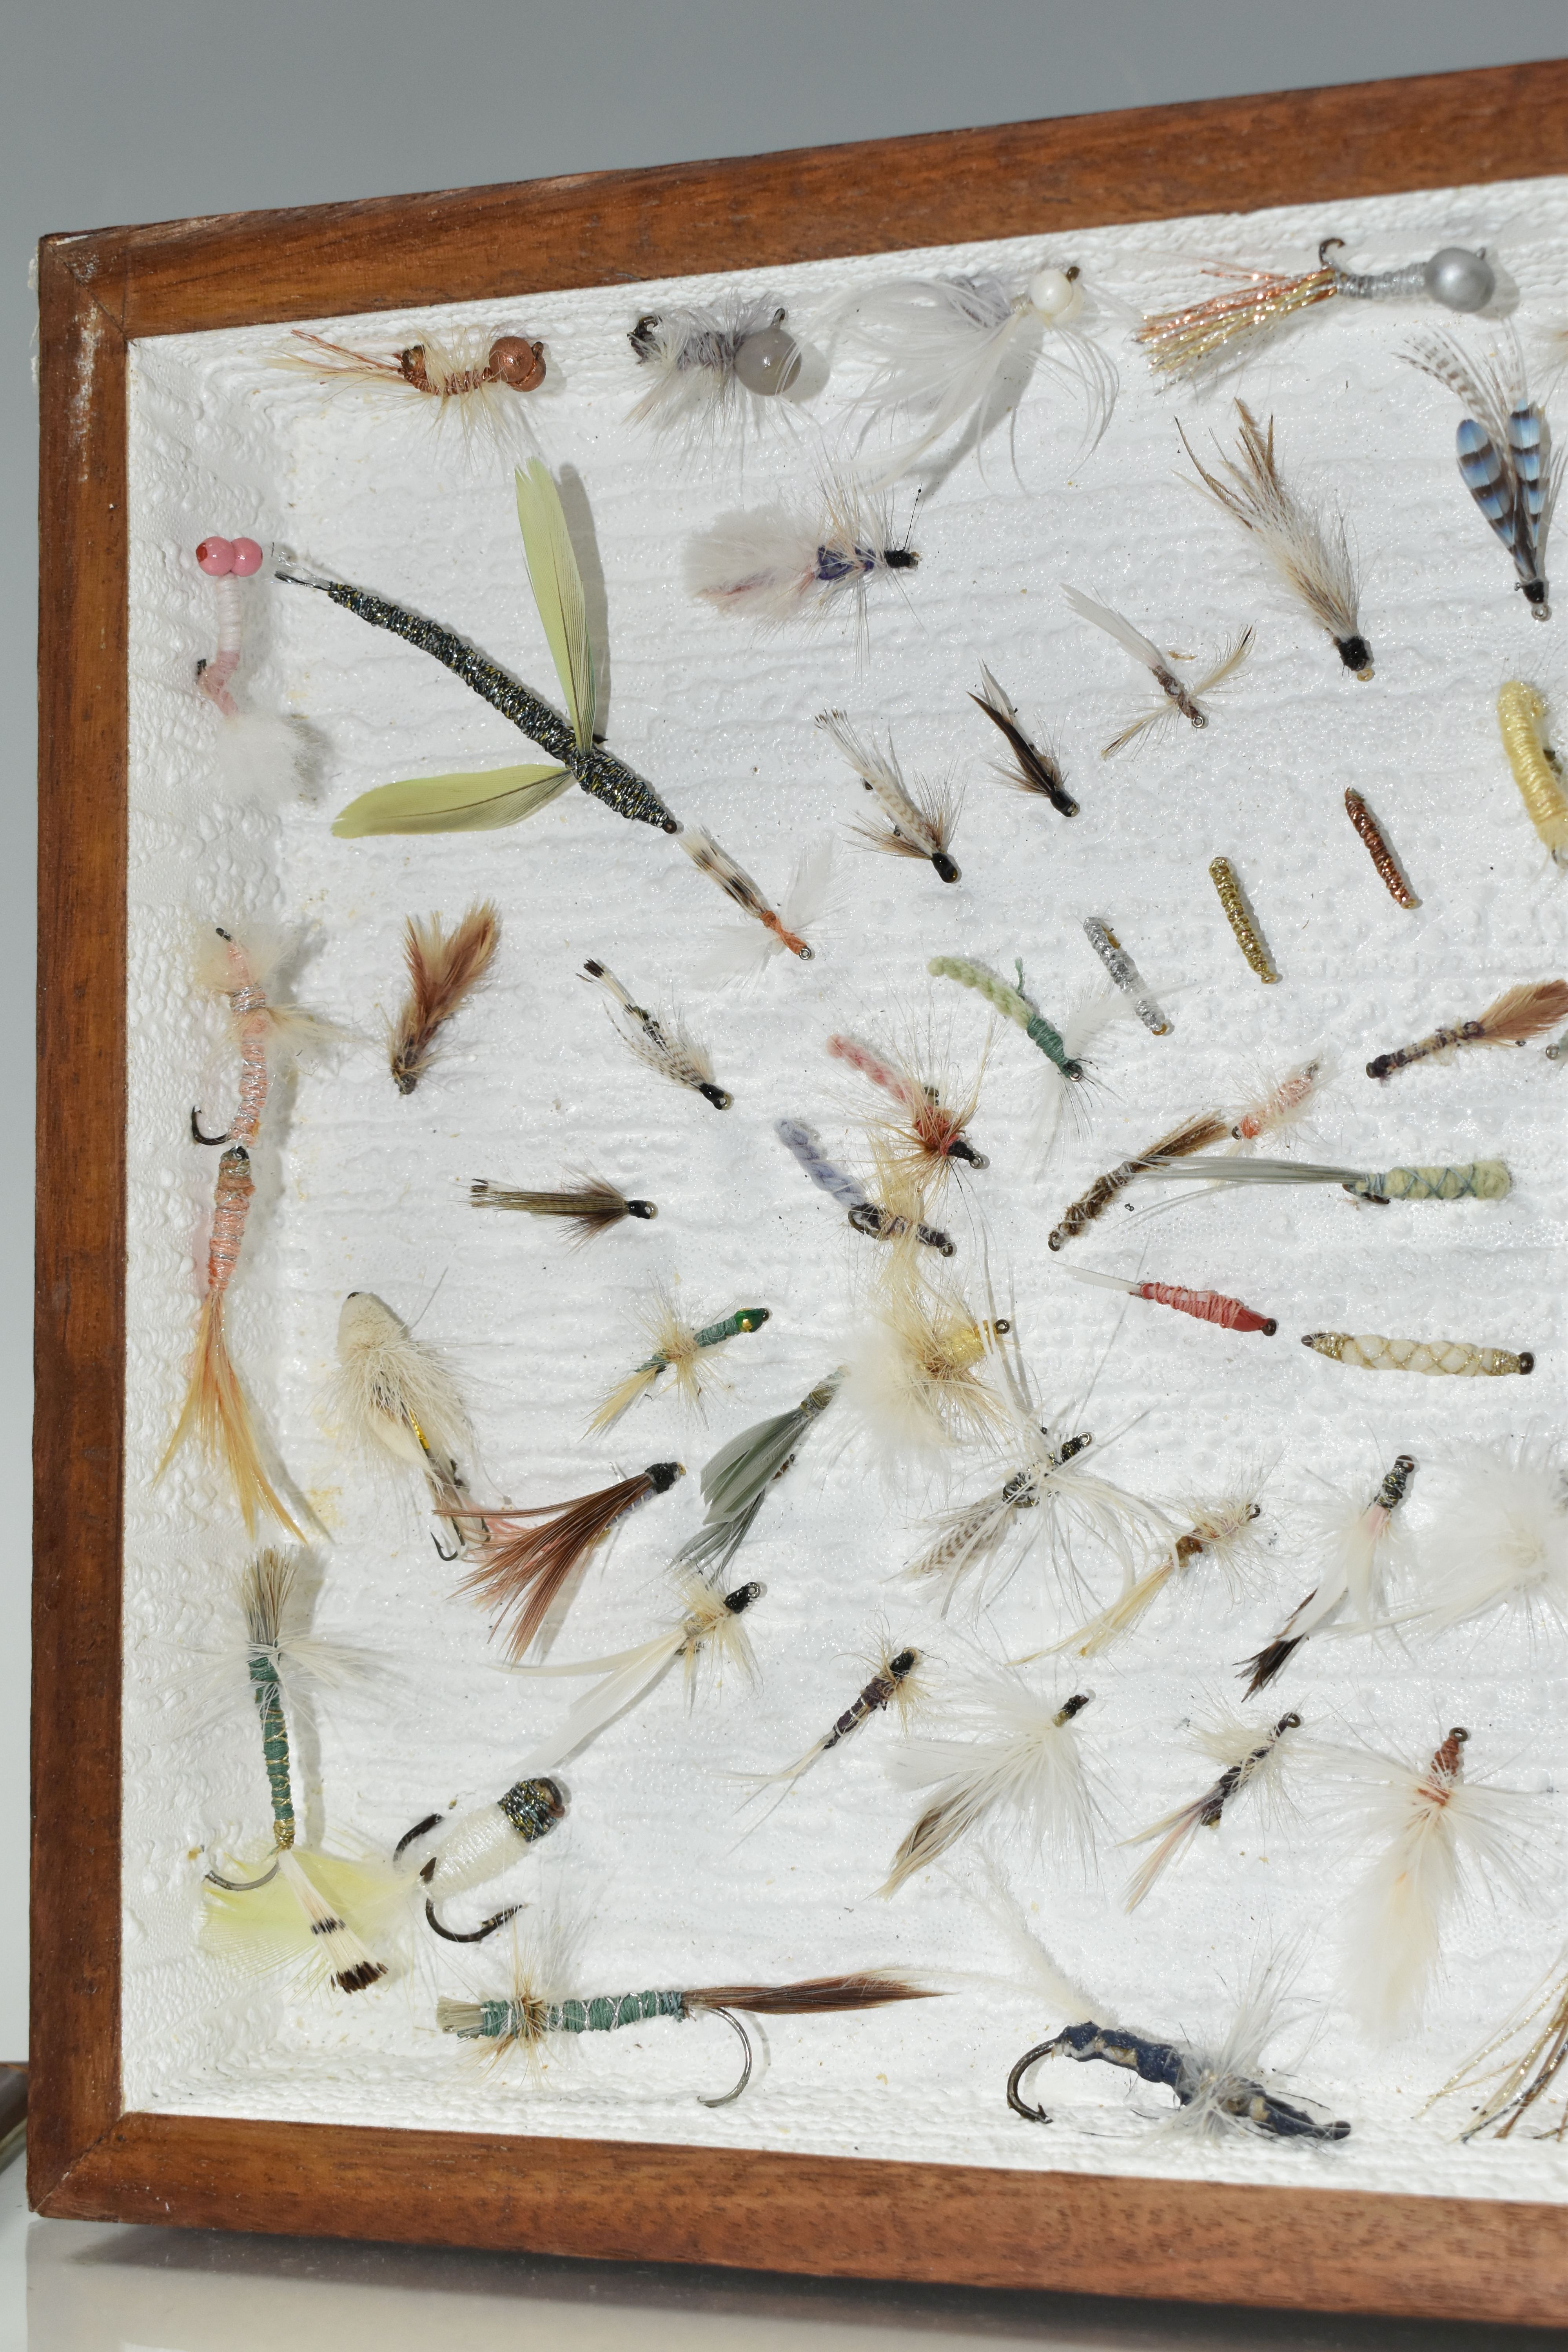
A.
pixel 1278 1103
pixel 1504 449
pixel 918 823
pixel 394 1400
pixel 1516 1016
pixel 519 1570
pixel 475 373
pixel 1036 769
pixel 1021 1756
pixel 588 1206
pixel 663 1045
pixel 676 1347
pixel 444 970
pixel 741 954
pixel 1220 1534
pixel 927 1130
pixel 1186 701
pixel 1192 1135
pixel 1253 1759
pixel 1308 550
pixel 775 565
pixel 917 1373
pixel 1355 1545
pixel 895 1684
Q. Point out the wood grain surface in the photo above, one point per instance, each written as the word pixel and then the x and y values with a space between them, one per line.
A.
pixel 1315 2248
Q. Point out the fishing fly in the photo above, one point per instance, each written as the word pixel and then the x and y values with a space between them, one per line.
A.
pixel 477 1846
pixel 664 1046
pixel 1517 2081
pixel 1442 1839
pixel 676 1347
pixel 539 2011
pixel 710 1634
pixel 735 1481
pixel 1243 922
pixel 978 1548
pixel 393 1400
pixel 894 1686
pixel 258 751
pixel 1192 1135
pixel 1019 1757
pixel 472 374
pixel 1307 549
pixel 216 1410
pixel 1280 1103
pixel 1217 2089
pixel 918 1371
pixel 1468 1180
pixel 740 954
pixel 492 797
pixel 586 1207
pixel 444 970
pixel 1253 1759
pixel 866 1217
pixel 1205 1305
pixel 1504 448
pixel 1186 701
pixel 1389 871
pixel 1065 1049
pixel 1355 1546
pixel 306 1908
pixel 1126 975
pixel 957 351
pixel 1186 343
pixel 1501 1539
pixel 918 822
pixel 712 374
pixel 1521 719
pixel 1516 1016
pixel 1222 1534
pixel 1461 1358
pixel 777 565
pixel 524 1560
pixel 927 1131
pixel 1036 769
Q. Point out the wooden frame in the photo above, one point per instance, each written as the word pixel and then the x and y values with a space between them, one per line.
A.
pixel 87 2159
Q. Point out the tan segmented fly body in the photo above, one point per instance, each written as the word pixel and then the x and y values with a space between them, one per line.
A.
pixel 1521 717
pixel 1460 1359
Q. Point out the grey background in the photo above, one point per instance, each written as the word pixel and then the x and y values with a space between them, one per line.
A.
pixel 114 111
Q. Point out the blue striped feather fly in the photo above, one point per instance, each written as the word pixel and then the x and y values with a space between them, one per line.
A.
pixel 1504 448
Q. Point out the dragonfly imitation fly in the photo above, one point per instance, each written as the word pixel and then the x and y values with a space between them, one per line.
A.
pixel 1308 550
pixel 1192 1135
pixel 709 1631
pixel 1461 1358
pixel 1126 975
pixel 538 2010
pixel 587 1207
pixel 216 1410
pixel 678 1348
pixel 866 1217
pixel 1221 1533
pixel 664 1046
pixel 519 1570
pixel 917 824
pixel 1238 914
pixel 478 1845
pixel 1036 769
pixel 1516 1016
pixel 1355 1545
pixel 711 374
pixel 950 352
pixel 1441 1839
pixel 1253 1759
pixel 444 970
pixel 1389 871
pixel 294 1912
pixel 1020 1757
pixel 1521 717
pixel 472 374
pixel 735 1480
pixel 776 565
pixel 1187 342
pixel 492 797
pixel 1186 701
pixel 1205 1306
pixel 1504 448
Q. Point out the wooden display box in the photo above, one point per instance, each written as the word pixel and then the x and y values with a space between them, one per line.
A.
pixel 1319 2248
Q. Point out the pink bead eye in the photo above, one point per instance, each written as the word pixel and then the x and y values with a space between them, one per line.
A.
pixel 217 556
pixel 247 558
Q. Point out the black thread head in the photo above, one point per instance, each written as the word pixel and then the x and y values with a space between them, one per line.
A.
pixel 904 559
pixel 1270 1328
pixel 1527 1363
pixel 741 1600
pixel 716 1095
pixel 643 337
pixel 944 865
pixel 662 1475
pixel 644 1209
pixel 904 1663
pixel 1356 654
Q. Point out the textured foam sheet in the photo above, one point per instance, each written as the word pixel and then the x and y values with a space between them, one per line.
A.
pixel 359 1188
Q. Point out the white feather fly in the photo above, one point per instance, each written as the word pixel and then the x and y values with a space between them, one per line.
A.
pixel 959 351
pixel 393 1400
pixel 716 375
pixel 1442 1840
pixel 1180 698
pixel 1252 1757
pixel 1500 1540
pixel 1354 1547
pixel 1220 1534
pixel 777 565
pixel 1018 1754
pixel 742 952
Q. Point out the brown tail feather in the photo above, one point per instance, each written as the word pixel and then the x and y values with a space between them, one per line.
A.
pixel 216 1412
pixel 810 1995
pixel 519 1575
pixel 443 969
pixel 1520 1014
